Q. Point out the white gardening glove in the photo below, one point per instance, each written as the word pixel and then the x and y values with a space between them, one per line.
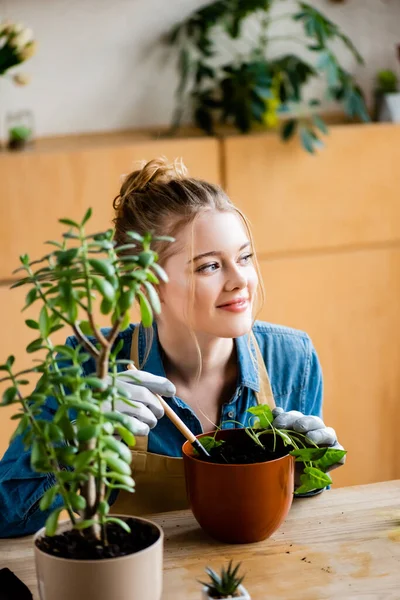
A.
pixel 312 427
pixel 141 406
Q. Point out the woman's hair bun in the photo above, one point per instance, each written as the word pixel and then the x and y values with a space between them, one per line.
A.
pixel 156 171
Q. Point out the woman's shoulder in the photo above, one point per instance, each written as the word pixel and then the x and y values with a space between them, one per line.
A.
pixel 285 350
pixel 279 333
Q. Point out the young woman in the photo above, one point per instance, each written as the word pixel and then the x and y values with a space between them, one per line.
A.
pixel 206 354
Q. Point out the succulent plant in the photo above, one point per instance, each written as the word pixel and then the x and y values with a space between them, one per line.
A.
pixel 224 585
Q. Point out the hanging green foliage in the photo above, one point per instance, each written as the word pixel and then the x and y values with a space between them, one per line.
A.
pixel 256 86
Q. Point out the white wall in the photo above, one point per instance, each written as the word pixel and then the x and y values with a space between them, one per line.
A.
pixel 100 65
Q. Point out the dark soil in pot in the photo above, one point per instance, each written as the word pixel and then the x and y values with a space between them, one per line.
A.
pixel 73 545
pixel 242 450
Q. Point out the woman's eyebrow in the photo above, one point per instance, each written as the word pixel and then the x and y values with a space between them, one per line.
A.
pixel 216 252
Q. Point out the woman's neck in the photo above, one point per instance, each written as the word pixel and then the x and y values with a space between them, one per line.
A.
pixel 181 356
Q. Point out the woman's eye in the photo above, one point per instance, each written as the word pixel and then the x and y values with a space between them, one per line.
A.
pixel 246 258
pixel 209 268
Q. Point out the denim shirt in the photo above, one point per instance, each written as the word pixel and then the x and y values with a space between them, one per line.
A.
pixel 296 382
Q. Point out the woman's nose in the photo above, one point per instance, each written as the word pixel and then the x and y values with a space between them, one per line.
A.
pixel 235 279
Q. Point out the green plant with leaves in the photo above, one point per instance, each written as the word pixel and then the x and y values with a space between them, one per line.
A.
pixel 226 584
pixel 256 86
pixel 387 82
pixel 77 446
pixel 316 461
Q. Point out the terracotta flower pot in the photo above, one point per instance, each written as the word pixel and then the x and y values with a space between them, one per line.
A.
pixel 238 503
pixel 136 576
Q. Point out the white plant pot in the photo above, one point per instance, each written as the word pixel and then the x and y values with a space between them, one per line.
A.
pixel 135 576
pixel 390 108
pixel 244 594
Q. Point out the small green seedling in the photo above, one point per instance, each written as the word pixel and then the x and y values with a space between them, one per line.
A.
pixel 316 460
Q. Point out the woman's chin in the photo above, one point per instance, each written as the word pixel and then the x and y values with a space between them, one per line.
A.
pixel 234 327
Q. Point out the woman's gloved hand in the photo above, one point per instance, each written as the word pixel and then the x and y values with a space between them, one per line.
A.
pixel 312 427
pixel 141 406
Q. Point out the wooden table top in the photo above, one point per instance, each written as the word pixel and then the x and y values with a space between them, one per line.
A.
pixel 342 544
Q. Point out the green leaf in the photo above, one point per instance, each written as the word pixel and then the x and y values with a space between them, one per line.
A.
pixel 86 328
pixel 66 257
pixel 289 129
pixel 32 324
pixel 77 501
pixel 82 405
pixel 30 297
pixel 69 222
pixel 318 122
pixel 146 258
pixel 308 454
pixel 105 288
pixel 263 413
pixel 116 464
pixel 48 497
pixel 153 297
pixel 146 312
pixel 316 478
pixel 84 458
pixel 52 522
pixel 9 396
pixel 65 351
pixel 307 140
pixel 34 346
pixel 103 267
pixel 135 236
pixel 125 321
pixel 106 306
pixel 89 432
pixel 126 300
pixel 96 382
pixel 117 446
pixel 104 508
pixel 87 216
pixel 85 524
pixel 209 442
pixel 127 436
pixel 124 479
pixel 331 457
pixel 119 522
pixel 44 322
pixel 10 361
pixel 121 419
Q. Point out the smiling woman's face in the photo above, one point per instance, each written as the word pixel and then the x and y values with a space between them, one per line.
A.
pixel 224 277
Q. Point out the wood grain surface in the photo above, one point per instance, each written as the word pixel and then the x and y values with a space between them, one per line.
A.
pixel 342 544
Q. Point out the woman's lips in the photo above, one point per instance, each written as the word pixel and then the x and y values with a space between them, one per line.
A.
pixel 236 306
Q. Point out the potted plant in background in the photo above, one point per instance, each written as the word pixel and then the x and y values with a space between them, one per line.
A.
pixel 244 491
pixel 96 555
pixel 16 46
pixel 230 72
pixel 227 584
pixel 387 97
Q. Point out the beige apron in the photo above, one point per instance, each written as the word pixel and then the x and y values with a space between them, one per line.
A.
pixel 159 479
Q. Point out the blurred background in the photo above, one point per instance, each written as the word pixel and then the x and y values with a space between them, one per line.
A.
pixel 293 107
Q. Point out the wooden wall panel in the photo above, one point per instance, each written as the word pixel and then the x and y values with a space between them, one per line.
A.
pixel 348 304
pixel 38 188
pixel 348 194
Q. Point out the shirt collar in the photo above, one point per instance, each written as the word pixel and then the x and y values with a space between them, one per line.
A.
pixel 247 361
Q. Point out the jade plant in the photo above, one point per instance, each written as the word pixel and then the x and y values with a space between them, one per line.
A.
pixel 77 446
pixel 223 585
pixel 230 72
pixel 316 461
